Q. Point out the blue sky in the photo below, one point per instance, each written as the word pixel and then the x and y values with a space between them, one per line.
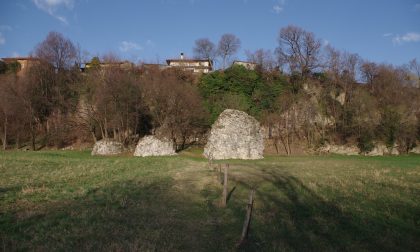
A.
pixel 384 31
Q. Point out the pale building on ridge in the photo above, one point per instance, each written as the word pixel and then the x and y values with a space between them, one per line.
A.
pixel 193 65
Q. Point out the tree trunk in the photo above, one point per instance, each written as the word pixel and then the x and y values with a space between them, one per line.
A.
pixel 17 141
pixel 283 141
pixel 33 140
pixel 106 128
pixel 102 130
pixel 276 144
pixel 93 136
pixel 115 133
pixel 5 133
pixel 289 152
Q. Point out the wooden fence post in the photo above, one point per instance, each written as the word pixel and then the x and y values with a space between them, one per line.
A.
pixel 225 186
pixel 247 221
pixel 219 173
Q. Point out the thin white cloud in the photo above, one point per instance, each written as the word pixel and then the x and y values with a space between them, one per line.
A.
pixel 417 7
pixel 51 7
pixel 62 19
pixel 2 39
pixel 279 6
pixel 325 42
pixel 386 34
pixel 277 9
pixel 15 54
pixel 406 38
pixel 126 46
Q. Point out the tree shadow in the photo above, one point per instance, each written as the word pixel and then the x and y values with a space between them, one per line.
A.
pixel 293 217
pixel 230 194
pixel 129 216
pixel 156 214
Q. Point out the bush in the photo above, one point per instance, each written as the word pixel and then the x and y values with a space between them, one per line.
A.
pixel 365 142
pixel 239 88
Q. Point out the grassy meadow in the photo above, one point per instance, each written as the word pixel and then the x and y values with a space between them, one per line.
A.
pixel 69 200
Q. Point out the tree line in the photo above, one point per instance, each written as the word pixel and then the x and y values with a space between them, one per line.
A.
pixel 302 92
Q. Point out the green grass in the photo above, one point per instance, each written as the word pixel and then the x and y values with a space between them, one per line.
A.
pixel 68 200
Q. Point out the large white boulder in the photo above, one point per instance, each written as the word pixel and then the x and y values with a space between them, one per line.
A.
pixel 106 147
pixel 152 146
pixel 235 135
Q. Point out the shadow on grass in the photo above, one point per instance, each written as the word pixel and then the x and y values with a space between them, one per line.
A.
pixel 291 217
pixel 142 215
pixel 130 216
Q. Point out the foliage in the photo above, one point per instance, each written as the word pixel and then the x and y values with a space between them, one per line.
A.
pixel 13 67
pixel 365 142
pixel 239 88
pixel 3 67
pixel 95 62
pixel 389 126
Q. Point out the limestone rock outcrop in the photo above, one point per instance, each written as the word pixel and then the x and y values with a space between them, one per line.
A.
pixel 152 146
pixel 107 147
pixel 415 150
pixel 340 149
pixel 235 135
pixel 380 149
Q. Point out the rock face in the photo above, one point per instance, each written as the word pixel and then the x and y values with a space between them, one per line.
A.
pixel 415 150
pixel 107 147
pixel 380 149
pixel 235 135
pixel 152 146
pixel 340 149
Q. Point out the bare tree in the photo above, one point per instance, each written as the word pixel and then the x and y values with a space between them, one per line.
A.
pixel 50 86
pixel 299 49
pixel 8 106
pixel 369 71
pixel 228 45
pixel 111 104
pixel 414 67
pixel 58 51
pixel 263 58
pixel 175 105
pixel 204 49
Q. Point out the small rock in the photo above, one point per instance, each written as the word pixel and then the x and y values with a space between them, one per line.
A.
pixel 106 147
pixel 152 146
